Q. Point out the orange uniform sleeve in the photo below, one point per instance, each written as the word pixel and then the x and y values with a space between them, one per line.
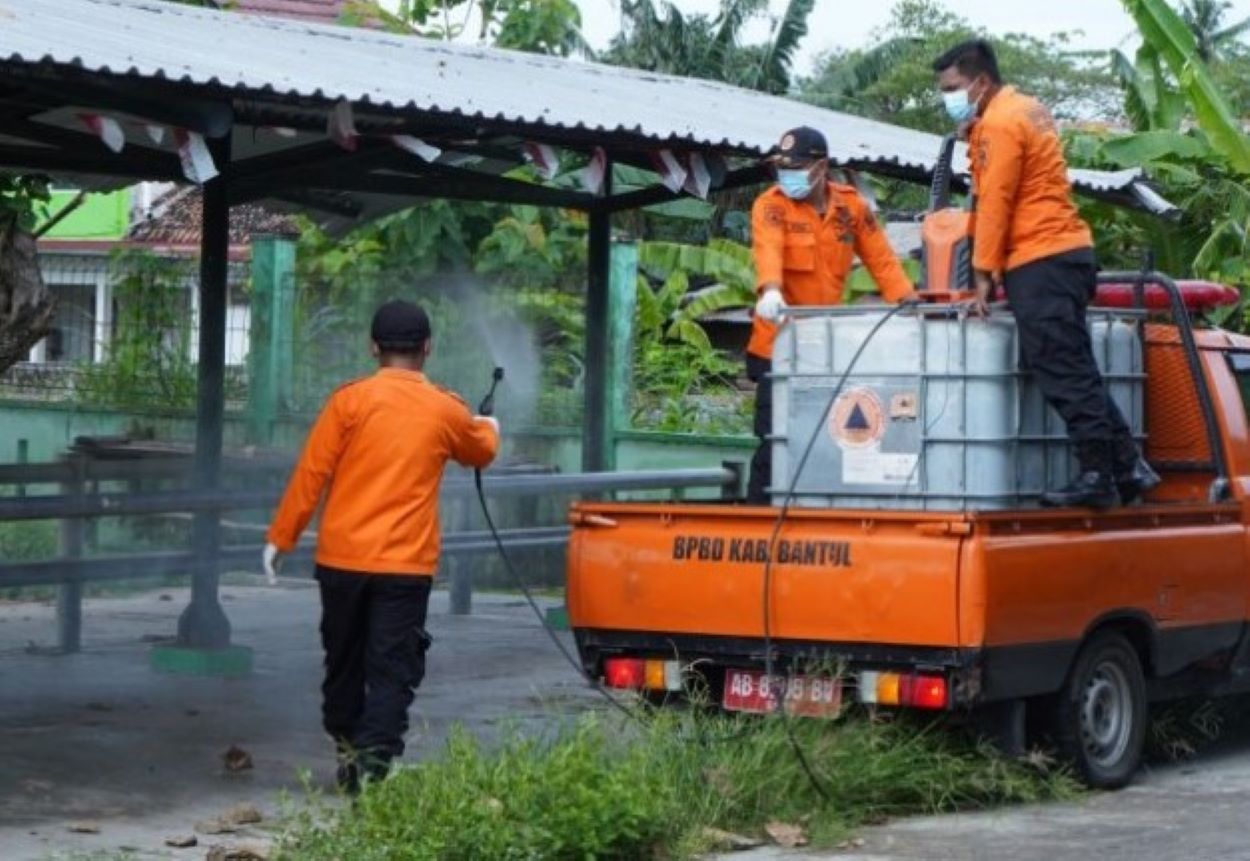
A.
pixel 1000 150
pixel 768 241
pixel 474 443
pixel 316 465
pixel 882 263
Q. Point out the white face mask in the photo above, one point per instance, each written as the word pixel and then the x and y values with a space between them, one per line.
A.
pixel 959 105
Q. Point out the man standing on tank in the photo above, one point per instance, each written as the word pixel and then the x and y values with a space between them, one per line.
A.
pixel 805 234
pixel 1030 240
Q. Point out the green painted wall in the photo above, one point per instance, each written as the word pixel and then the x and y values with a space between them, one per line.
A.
pixel 101 216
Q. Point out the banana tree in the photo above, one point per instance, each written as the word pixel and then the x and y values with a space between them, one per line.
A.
pixel 1166 32
pixel 727 264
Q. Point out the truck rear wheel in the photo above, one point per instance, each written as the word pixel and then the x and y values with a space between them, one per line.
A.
pixel 1101 715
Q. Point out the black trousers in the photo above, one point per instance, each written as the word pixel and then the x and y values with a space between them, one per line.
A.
pixel 1049 299
pixel 373 632
pixel 762 461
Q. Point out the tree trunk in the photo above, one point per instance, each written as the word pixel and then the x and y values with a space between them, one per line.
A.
pixel 26 306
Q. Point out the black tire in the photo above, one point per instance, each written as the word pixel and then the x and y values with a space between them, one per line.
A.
pixel 1101 715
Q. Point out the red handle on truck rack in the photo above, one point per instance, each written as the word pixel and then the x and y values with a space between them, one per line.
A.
pixel 1197 296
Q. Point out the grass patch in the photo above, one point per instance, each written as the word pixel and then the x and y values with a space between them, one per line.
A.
pixel 597 789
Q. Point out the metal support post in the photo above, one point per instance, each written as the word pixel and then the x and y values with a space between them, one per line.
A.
pixel 596 418
pixel 461 569
pixel 69 593
pixel 203 623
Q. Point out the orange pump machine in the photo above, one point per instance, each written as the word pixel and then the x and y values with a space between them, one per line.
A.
pixel 946 237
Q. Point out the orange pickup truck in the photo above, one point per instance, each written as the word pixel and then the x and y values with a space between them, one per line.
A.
pixel 1067 620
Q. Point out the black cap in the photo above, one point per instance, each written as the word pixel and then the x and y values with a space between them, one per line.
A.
pixel 800 146
pixel 400 327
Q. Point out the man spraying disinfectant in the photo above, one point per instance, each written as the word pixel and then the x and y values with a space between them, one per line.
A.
pixel 377 452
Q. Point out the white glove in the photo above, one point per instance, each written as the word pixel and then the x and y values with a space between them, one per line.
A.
pixel 491 420
pixel 271 560
pixel 771 306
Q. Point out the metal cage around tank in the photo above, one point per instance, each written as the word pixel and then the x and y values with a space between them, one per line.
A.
pixel 937 413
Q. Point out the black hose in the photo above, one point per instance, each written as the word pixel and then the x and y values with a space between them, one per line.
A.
pixel 784 511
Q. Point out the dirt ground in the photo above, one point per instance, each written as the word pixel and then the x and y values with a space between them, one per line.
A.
pixel 98 739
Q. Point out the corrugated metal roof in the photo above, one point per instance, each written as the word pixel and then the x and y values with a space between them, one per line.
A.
pixel 274 59
pixel 307 10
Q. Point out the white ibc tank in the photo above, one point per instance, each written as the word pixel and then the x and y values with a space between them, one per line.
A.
pixel 936 413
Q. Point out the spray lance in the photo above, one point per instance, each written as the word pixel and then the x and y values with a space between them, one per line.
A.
pixel 487 408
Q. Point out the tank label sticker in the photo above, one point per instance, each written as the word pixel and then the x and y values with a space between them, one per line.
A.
pixel 816 554
pixel 904 406
pixel 857 419
pixel 875 467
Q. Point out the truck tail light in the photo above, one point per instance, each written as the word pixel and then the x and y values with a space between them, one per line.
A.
pixel 909 690
pixel 625 673
pixel 638 674
pixel 923 692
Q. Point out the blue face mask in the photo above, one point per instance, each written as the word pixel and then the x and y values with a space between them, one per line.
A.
pixel 959 107
pixel 795 184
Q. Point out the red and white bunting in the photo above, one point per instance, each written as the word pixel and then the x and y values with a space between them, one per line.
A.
pixel 668 166
pixel 197 161
pixel 595 173
pixel 544 159
pixel 699 178
pixel 156 134
pixel 106 129
pixel 341 126
pixel 416 146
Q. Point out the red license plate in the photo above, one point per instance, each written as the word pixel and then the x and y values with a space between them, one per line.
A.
pixel 805 696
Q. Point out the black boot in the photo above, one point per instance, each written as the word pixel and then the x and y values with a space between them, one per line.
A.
pixel 1094 487
pixel 1133 475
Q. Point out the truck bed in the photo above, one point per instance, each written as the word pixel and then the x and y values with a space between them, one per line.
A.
pixel 1011 593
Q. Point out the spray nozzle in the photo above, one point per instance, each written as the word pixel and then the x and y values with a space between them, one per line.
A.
pixel 487 407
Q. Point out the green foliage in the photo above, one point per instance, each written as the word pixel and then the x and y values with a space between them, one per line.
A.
pixel 1150 99
pixel 1168 34
pixel 893 80
pixel 28 541
pixel 1202 170
pixel 538 26
pixel 23 200
pixel 659 37
pixel 599 790
pixel 1212 34
pixel 148 362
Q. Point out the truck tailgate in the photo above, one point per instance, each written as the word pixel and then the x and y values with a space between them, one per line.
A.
pixel 837 576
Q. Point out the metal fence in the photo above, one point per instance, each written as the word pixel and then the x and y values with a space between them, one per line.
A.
pixel 81 492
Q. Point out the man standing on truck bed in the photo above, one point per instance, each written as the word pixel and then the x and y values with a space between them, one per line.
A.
pixel 378 450
pixel 805 233
pixel 1030 240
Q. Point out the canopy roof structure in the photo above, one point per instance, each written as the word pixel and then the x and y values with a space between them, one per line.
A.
pixel 348 124
pixel 272 84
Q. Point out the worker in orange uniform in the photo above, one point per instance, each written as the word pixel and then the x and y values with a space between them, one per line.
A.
pixel 1030 240
pixel 805 233
pixel 377 453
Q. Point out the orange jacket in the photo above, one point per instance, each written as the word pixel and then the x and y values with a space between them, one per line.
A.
pixel 810 255
pixel 1024 209
pixel 380 444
